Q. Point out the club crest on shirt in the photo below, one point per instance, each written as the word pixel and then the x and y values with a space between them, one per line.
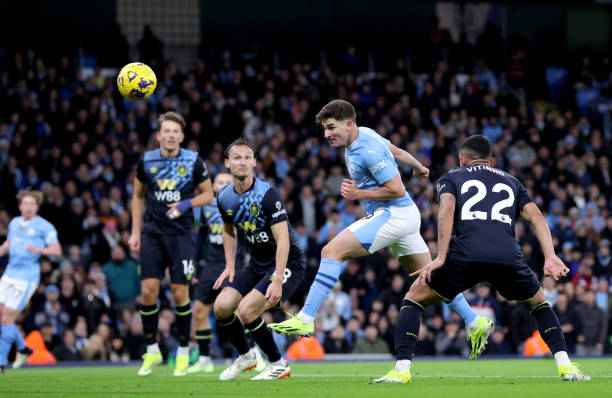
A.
pixel 182 170
pixel 254 209
pixel 229 212
pixel 153 170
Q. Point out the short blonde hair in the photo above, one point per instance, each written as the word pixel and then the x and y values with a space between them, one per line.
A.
pixel 37 195
pixel 174 117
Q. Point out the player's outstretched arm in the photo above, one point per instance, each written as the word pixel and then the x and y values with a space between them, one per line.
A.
pixel 280 231
pixel 229 248
pixel 553 265
pixel 446 216
pixel 137 210
pixel 406 158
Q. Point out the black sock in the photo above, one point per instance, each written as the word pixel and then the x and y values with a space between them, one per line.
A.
pixel 549 327
pixel 150 316
pixel 233 330
pixel 203 338
pixel 249 338
pixel 264 339
pixel 183 323
pixel 407 329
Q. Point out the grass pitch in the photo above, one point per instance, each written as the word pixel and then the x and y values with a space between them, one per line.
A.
pixel 448 379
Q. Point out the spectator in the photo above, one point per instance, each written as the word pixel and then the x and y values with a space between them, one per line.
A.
pixel 569 319
pixel 371 343
pixel 594 329
pixel 452 341
pixel 336 343
pixel 425 345
pixel 498 344
pixel 123 280
pixel 67 350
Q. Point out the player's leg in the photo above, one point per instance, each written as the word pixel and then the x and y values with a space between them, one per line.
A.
pixel 478 328
pixel 203 335
pixel 180 252
pixel 14 295
pixel 516 282
pixel 204 296
pixel 182 312
pixel 407 330
pixel 251 309
pixel 230 325
pixel 355 241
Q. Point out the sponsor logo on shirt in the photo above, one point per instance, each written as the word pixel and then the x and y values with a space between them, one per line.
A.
pixel 378 166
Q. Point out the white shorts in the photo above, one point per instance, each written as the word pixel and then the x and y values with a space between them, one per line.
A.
pixel 396 227
pixel 15 293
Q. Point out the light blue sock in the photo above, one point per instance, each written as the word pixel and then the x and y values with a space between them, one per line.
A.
pixel 21 345
pixel 326 278
pixel 6 342
pixel 461 307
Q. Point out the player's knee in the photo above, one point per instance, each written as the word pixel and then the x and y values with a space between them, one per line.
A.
pixel 180 294
pixel 222 309
pixel 246 315
pixel 200 311
pixel 329 251
pixel 6 318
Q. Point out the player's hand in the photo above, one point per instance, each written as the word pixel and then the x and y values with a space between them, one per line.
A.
pixel 134 243
pixel 421 172
pixel 227 273
pixel 34 249
pixel 274 293
pixel 173 213
pixel 553 266
pixel 349 189
pixel 2 250
pixel 424 274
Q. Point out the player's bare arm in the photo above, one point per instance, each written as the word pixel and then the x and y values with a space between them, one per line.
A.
pixel 54 249
pixel 4 247
pixel 229 248
pixel 392 189
pixel 280 231
pixel 553 265
pixel 205 197
pixel 406 158
pixel 446 216
pixel 137 210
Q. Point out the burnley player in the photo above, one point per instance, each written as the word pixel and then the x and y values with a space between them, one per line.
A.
pixel 480 204
pixel 167 178
pixel 393 219
pixel 29 237
pixel 256 210
pixel 204 295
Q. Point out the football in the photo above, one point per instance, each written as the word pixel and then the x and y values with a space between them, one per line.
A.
pixel 136 81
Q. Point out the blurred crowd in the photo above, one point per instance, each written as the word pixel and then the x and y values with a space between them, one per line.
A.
pixel 66 131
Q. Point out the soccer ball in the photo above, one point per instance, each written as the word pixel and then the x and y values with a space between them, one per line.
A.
pixel 136 81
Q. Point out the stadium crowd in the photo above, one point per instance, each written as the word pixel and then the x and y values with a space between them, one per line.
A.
pixel 77 140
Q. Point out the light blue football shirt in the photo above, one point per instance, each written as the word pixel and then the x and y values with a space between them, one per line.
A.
pixel 371 164
pixel 38 232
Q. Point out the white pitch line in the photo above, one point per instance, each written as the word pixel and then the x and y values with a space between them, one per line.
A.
pixel 420 376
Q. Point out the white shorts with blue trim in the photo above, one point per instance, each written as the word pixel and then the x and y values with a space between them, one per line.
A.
pixel 15 293
pixel 395 227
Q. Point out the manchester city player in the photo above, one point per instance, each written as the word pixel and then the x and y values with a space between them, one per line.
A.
pixel 204 295
pixel 393 219
pixel 479 204
pixel 29 237
pixel 167 177
pixel 276 268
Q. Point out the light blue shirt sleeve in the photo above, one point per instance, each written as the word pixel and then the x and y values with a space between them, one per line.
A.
pixel 381 166
pixel 49 233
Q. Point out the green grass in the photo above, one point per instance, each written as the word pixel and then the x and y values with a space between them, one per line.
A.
pixel 448 379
